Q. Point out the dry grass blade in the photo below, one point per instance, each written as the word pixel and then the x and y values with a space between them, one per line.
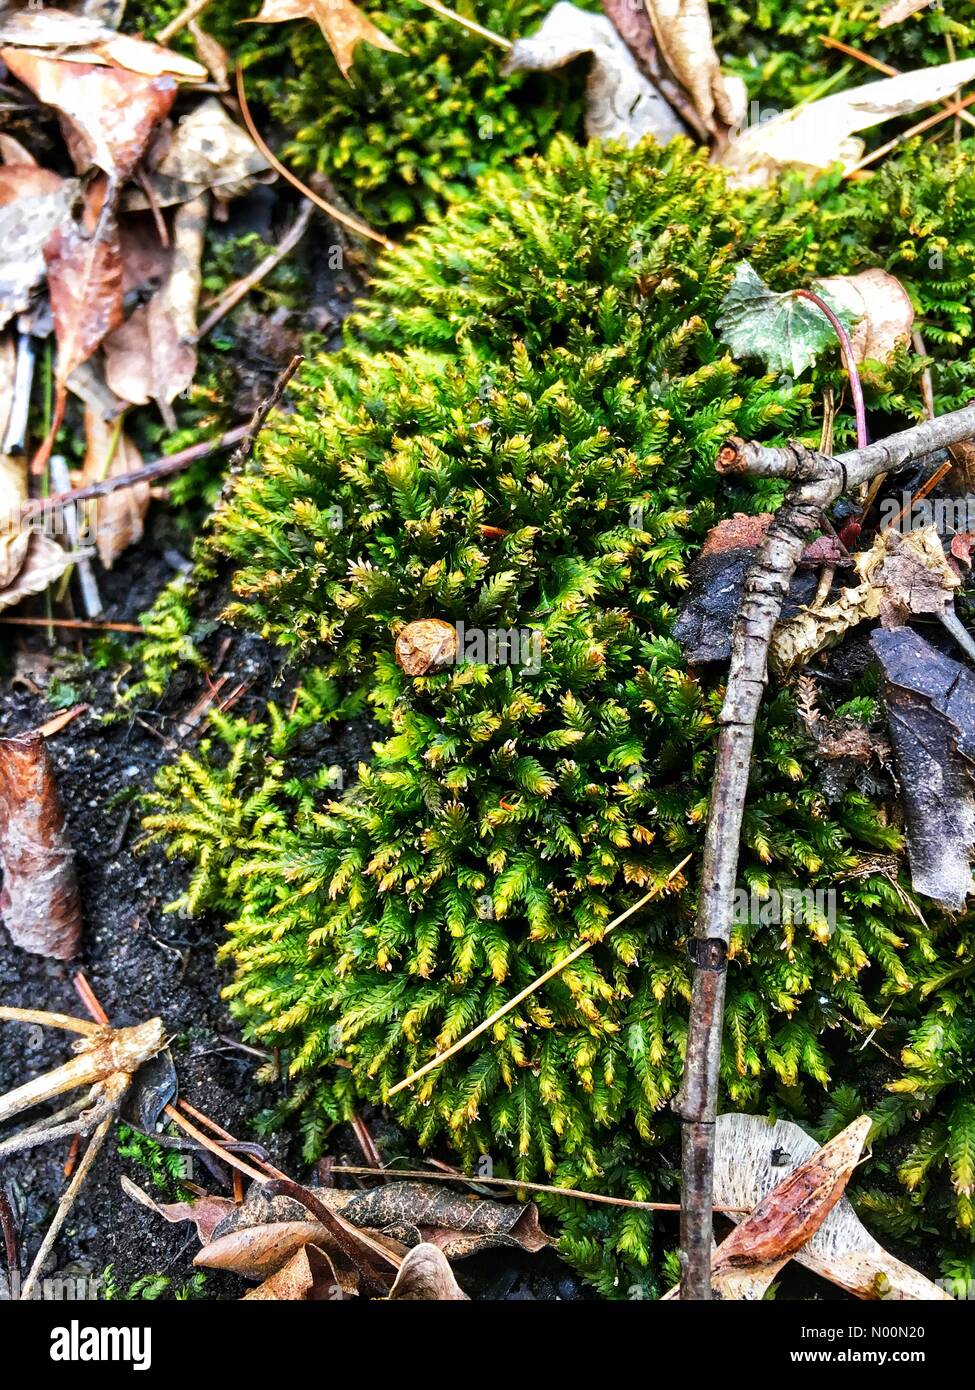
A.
pixel 536 984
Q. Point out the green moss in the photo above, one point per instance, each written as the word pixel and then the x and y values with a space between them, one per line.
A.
pixel 409 131
pixel 778 46
pixel 542 363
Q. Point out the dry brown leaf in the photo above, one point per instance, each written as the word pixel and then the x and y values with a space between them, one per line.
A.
pixel 901 573
pixel 84 276
pixel 79 38
pixel 116 521
pixel 426 1276
pixel 413 1213
pixel 683 32
pixel 621 104
pixel 207 150
pixel 256 1252
pixel 342 23
pixel 881 307
pixel 13 152
pixel 820 134
pixel 206 1212
pixel 43 562
pixel 751 1157
pixel 39 901
pixel 899 10
pixel 309 1276
pixel 112 113
pixel 33 202
pixel 212 54
pixel 786 1218
pixel 152 356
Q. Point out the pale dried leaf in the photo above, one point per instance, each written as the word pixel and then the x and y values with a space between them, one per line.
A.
pixel 787 1217
pixel 117 521
pixel 426 1276
pixel 899 10
pixel 111 111
pixel 879 307
pixel 309 1276
pixel 818 135
pixel 343 24
pixel 43 563
pixel 206 1211
pixel 752 1156
pixel 256 1252
pixel 79 38
pixel 621 104
pixel 212 54
pixel 152 356
pixel 683 32
pixel 13 152
pixel 33 202
pixel 207 151
pixel 900 574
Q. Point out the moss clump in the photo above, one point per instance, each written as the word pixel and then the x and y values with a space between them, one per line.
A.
pixel 778 46
pixel 412 130
pixel 520 434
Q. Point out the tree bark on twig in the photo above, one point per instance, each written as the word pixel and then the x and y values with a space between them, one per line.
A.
pixel 816 482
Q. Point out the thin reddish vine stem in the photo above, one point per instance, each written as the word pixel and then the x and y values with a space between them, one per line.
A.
pixel 849 361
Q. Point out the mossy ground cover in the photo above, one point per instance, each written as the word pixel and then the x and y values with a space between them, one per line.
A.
pixel 520 434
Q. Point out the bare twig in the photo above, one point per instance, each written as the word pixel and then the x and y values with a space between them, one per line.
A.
pixel 352 1170
pixel 180 21
pixel 243 287
pixel 66 1203
pixel 161 468
pixel 523 994
pixel 73 624
pixel 337 215
pixel 816 482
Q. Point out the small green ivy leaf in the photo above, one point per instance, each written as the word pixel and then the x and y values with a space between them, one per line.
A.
pixel 786 332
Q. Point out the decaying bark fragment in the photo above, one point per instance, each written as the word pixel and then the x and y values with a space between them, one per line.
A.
pixel 39 902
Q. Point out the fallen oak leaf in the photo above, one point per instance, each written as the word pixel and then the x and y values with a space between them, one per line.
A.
pixel 39 901
pixel 342 23
pixel 899 10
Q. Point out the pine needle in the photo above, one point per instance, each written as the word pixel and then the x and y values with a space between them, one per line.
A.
pixel 536 984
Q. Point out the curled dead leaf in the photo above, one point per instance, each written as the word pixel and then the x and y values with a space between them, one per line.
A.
pixel 683 31
pixel 425 1275
pixel 621 104
pixel 426 645
pixel 881 308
